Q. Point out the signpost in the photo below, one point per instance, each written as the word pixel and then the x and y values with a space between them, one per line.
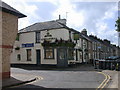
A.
pixel 76 36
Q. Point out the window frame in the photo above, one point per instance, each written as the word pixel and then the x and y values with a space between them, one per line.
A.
pixel 28 56
pixel 49 51
pixel 37 36
pixel 18 57
pixel 68 54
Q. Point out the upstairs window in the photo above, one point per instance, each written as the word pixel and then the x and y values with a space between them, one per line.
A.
pixel 37 37
pixel 70 35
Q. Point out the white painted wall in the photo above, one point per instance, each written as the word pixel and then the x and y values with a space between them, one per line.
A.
pixel 57 33
pixel 29 37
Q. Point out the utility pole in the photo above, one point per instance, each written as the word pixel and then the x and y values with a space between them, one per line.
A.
pixel 66 15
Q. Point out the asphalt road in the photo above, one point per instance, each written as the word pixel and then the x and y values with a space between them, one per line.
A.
pixel 60 79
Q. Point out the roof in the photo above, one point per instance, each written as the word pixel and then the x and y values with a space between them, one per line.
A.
pixel 94 39
pixel 86 37
pixel 8 9
pixel 48 25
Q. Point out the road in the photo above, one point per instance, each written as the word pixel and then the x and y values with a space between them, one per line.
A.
pixel 59 78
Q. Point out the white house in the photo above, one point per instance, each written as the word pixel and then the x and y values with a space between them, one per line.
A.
pixel 50 42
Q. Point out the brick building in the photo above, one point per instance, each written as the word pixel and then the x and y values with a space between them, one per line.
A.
pixel 8 30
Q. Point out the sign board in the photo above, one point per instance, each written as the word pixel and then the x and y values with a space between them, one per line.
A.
pixel 76 36
pixel 28 45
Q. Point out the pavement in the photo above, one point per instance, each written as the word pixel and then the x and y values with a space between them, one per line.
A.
pixel 17 79
pixel 114 78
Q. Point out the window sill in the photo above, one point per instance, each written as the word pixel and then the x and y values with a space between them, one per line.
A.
pixel 29 60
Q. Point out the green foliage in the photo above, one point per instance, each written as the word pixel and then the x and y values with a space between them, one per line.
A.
pixel 61 44
pixel 118 24
pixel 17 37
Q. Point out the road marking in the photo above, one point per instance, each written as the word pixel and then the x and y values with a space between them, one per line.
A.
pixel 106 80
pixel 36 79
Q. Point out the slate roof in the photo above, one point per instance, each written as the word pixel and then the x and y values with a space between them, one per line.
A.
pixel 93 39
pixel 42 26
pixel 86 37
pixel 48 25
pixel 8 9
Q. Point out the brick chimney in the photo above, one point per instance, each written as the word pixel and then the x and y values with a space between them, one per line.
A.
pixel 62 21
pixel 84 31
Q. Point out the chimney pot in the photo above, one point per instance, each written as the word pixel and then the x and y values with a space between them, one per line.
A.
pixel 59 17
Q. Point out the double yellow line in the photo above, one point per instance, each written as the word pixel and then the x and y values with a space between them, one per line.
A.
pixel 106 80
pixel 28 82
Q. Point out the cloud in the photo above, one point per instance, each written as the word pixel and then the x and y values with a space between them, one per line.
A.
pixel 67 10
pixel 97 17
pixel 24 7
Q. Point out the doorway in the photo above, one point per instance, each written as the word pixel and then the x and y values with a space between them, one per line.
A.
pixel 62 57
pixel 38 56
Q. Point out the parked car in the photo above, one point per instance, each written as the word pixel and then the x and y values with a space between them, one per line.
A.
pixel 113 58
pixel 113 63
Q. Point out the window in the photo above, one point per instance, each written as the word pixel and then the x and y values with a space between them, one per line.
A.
pixel 37 37
pixel 29 55
pixel 49 53
pixel 70 35
pixel 71 54
pixel 18 57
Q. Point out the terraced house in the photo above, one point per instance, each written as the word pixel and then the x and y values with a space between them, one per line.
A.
pixel 48 42
pixel 54 43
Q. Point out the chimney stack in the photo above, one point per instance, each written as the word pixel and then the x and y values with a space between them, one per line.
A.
pixel 59 17
pixel 107 41
pixel 84 31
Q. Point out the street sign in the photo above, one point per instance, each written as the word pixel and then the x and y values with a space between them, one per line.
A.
pixel 28 45
pixel 76 36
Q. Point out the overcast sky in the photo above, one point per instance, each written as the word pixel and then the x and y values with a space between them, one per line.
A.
pixel 97 17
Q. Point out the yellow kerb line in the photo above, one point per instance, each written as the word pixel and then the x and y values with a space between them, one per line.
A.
pixel 104 82
pixel 36 77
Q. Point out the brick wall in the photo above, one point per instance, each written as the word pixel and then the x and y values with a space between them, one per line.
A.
pixel 8 30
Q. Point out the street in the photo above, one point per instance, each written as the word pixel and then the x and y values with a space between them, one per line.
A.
pixel 60 78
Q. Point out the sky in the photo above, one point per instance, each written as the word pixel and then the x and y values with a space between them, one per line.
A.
pixel 97 16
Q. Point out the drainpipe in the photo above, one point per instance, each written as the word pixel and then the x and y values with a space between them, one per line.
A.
pixel 76 53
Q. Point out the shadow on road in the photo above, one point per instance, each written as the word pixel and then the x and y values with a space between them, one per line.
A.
pixel 77 67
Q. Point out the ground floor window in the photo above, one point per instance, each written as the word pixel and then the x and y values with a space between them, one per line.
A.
pixel 80 55
pixel 18 57
pixel 71 54
pixel 49 53
pixel 28 54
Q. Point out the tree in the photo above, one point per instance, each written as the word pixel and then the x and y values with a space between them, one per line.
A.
pixel 118 24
